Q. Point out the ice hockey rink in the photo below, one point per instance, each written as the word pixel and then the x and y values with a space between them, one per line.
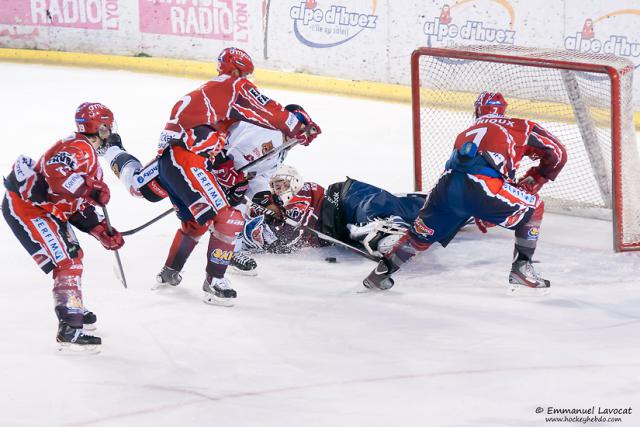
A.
pixel 303 346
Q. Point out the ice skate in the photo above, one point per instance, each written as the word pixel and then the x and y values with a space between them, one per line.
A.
pixel 242 263
pixel 524 280
pixel 379 278
pixel 218 292
pixel 89 320
pixel 167 277
pixel 74 340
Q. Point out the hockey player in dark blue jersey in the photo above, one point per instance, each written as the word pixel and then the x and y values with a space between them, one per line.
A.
pixel 351 211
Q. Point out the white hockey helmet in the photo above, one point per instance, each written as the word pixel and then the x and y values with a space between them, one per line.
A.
pixel 285 183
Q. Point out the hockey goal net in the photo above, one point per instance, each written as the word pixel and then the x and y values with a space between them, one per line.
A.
pixel 585 100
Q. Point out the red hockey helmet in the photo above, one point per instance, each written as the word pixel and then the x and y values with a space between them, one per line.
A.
pixel 490 103
pixel 90 116
pixel 232 59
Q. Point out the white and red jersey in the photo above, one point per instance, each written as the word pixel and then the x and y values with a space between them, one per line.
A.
pixel 219 103
pixel 503 141
pixel 56 182
pixel 247 142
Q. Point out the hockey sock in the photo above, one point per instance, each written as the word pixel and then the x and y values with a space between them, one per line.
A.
pixel 181 247
pixel 527 235
pixel 227 224
pixel 219 255
pixel 67 297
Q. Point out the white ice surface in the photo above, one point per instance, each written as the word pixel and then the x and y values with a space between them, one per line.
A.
pixel 302 346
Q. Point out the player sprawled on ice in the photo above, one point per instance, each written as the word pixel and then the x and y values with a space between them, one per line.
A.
pixel 480 181
pixel 200 180
pixel 45 198
pixel 351 211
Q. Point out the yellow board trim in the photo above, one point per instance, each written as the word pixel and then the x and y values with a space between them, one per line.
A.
pixel 205 70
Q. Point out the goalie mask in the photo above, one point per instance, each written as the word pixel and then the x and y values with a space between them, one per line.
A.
pixel 286 183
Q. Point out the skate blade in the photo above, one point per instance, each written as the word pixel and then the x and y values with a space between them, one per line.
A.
pixel 526 291
pixel 89 327
pixel 159 286
pixel 72 348
pixel 237 271
pixel 214 300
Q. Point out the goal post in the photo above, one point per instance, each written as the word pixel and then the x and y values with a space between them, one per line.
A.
pixel 583 99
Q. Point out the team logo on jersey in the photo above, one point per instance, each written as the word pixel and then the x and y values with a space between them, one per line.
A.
pixel 64 158
pixel 267 147
pixel 420 228
pixel 262 99
pixel 218 256
pixel 295 213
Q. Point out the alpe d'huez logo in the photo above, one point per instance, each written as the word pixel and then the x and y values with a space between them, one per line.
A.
pixel 464 23
pixel 613 33
pixel 327 25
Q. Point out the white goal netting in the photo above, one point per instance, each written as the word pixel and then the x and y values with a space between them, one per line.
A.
pixel 551 87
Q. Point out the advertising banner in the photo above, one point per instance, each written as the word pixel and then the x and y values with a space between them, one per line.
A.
pixel 83 14
pixel 213 19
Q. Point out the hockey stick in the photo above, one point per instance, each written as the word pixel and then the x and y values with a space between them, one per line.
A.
pixel 110 230
pixel 148 223
pixel 321 235
pixel 284 147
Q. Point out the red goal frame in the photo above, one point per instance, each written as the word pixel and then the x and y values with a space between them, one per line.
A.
pixel 616 125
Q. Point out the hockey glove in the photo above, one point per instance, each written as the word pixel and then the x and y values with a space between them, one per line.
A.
pixel 95 192
pixel 532 181
pixel 310 130
pixel 112 241
pixel 483 225
pixel 114 140
pixel 266 200
pixel 235 193
pixel 225 172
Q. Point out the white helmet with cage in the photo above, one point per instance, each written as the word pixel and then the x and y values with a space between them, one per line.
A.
pixel 285 183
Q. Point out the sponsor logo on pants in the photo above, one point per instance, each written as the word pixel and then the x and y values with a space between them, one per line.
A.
pixel 50 239
pixel 210 188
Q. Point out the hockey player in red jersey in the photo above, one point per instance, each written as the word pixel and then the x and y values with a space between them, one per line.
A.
pixel 42 201
pixel 201 183
pixel 480 181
